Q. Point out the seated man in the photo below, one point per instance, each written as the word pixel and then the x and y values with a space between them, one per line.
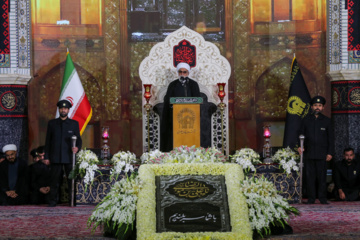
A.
pixel 181 87
pixel 13 178
pixel 41 152
pixel 38 154
pixel 347 177
pixel 40 177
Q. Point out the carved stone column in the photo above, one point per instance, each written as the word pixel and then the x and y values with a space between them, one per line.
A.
pixel 344 70
pixel 15 74
pixel 112 53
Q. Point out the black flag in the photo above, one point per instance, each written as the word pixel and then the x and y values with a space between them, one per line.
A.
pixel 298 106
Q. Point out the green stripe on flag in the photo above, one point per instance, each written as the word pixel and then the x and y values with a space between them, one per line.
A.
pixel 68 74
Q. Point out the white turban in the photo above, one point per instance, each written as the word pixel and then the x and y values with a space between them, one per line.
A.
pixel 9 147
pixel 183 65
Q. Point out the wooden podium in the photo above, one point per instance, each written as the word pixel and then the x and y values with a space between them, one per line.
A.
pixel 186 121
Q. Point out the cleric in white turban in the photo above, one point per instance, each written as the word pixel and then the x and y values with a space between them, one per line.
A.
pixel 13 178
pixel 181 87
pixel 9 147
pixel 182 66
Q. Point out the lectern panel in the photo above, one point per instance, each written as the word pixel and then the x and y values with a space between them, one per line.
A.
pixel 186 125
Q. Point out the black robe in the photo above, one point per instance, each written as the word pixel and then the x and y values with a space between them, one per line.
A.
pixel 40 177
pixel 347 178
pixel 21 188
pixel 175 89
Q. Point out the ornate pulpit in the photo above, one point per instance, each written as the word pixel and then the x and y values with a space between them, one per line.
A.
pixel 208 68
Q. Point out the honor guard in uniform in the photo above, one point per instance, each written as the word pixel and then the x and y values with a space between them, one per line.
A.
pixel 318 149
pixel 59 150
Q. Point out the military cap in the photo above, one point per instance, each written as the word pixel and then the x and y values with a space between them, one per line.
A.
pixel 64 104
pixel 318 99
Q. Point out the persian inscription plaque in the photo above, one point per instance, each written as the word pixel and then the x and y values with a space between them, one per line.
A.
pixel 192 203
pixel 191 189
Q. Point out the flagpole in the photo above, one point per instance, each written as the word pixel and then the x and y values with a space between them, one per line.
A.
pixel 72 200
pixel 301 137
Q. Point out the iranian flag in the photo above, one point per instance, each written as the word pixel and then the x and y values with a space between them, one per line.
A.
pixel 72 90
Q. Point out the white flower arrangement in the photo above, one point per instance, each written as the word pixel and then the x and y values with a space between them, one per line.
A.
pixel 287 159
pixel 122 161
pixel 253 203
pixel 150 157
pixel 86 165
pixel 266 206
pixel 118 208
pixel 146 206
pixel 246 157
pixel 185 154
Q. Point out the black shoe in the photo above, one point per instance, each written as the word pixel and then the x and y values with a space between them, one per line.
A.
pixel 52 205
pixel 324 202
pixel 310 202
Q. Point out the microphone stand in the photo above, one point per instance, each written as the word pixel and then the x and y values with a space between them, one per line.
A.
pixel 73 141
pixel 301 137
pixel 184 85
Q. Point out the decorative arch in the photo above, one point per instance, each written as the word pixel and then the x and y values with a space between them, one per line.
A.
pixel 211 68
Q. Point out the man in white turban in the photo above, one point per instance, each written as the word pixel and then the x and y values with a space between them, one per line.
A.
pixel 181 87
pixel 14 187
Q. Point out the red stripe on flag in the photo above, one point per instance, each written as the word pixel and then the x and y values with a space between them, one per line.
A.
pixel 83 113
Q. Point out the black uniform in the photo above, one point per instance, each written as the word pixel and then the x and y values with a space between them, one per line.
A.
pixel 58 151
pixel 347 178
pixel 175 89
pixel 318 143
pixel 40 177
pixel 17 182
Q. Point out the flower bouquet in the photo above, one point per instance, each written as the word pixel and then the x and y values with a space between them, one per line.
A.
pixel 116 212
pixel 122 161
pixel 151 157
pixel 247 158
pixel 85 167
pixel 287 159
pixel 185 154
pixel 266 206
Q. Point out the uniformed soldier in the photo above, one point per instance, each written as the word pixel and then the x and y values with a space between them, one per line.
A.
pixel 318 149
pixel 58 148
